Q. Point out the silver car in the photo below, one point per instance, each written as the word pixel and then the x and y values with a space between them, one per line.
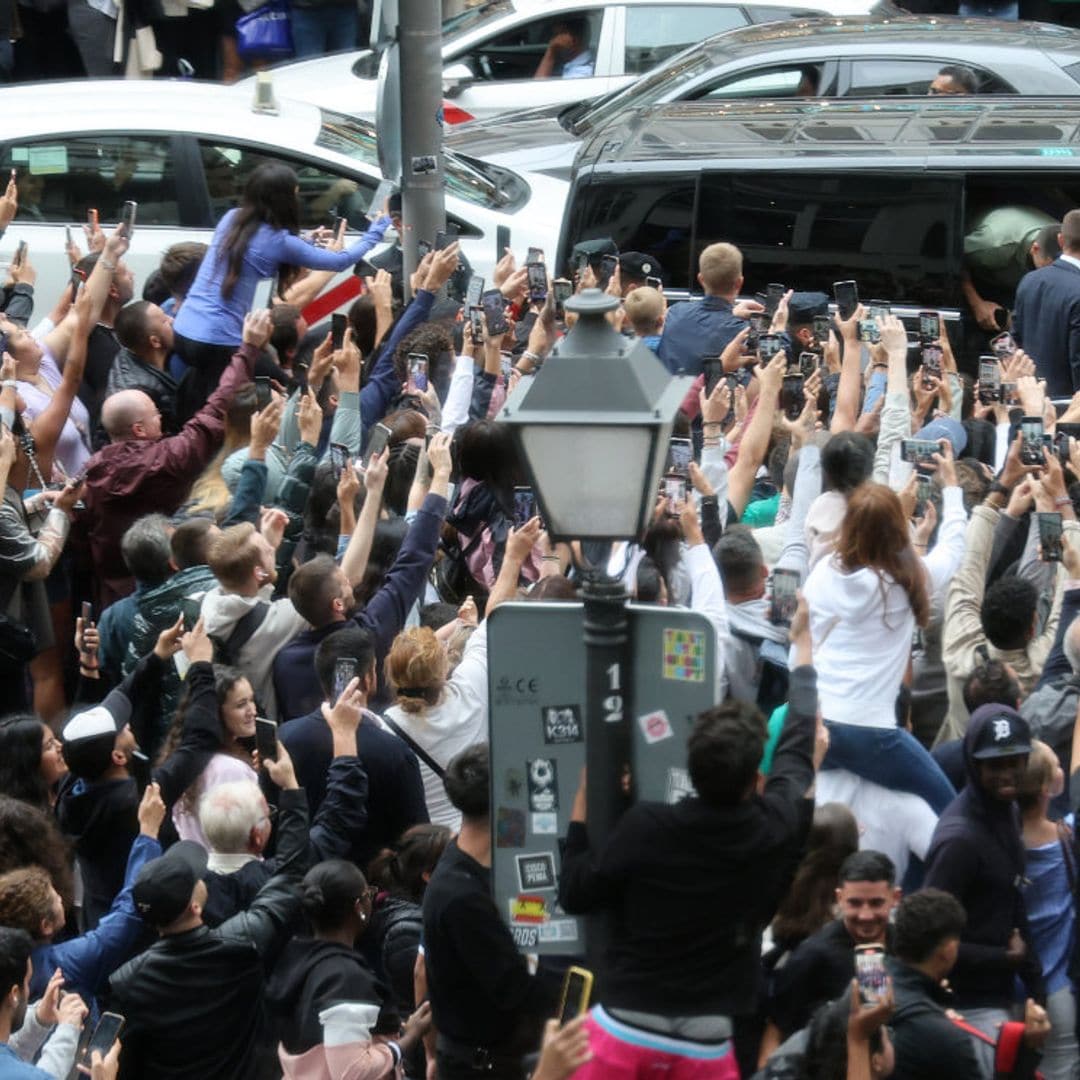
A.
pixel 844 58
pixel 491 52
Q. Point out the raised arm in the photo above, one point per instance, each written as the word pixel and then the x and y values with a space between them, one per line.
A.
pixel 354 561
pixel 846 412
pixel 755 441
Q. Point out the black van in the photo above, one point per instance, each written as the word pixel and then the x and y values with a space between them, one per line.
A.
pixel 819 191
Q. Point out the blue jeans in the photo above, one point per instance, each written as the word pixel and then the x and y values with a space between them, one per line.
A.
pixel 891 757
pixel 318 30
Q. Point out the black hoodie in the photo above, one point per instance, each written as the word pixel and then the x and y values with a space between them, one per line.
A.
pixel 310 976
pixel 977 854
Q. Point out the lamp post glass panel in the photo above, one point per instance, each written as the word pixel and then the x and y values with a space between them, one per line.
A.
pixel 592 430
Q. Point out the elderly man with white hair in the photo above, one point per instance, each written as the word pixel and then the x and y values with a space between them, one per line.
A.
pixel 237 820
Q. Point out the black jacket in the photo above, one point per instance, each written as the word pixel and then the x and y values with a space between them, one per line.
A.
pixel 128 372
pixel 102 817
pixel 194 1001
pixel 723 869
pixel 977 854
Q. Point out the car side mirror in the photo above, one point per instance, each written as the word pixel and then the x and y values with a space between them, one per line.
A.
pixel 456 78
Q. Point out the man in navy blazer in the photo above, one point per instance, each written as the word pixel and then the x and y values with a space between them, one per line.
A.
pixel 1046 318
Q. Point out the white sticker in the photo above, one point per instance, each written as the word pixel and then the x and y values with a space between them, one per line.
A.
pixel 655 726
pixel 545 824
pixel 679 786
pixel 559 930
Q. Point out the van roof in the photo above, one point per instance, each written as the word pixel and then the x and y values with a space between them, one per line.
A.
pixel 866 133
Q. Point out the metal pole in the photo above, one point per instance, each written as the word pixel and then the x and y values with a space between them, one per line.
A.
pixel 422 206
pixel 607 708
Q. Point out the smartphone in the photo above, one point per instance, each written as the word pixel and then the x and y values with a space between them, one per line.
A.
pixel 808 363
pixel 339 459
pixel 919 451
pixel 418 369
pixel 502 241
pixel 758 326
pixel 714 372
pixel 495 313
pixel 537 275
pixel 474 291
pixel 562 290
pixel 422 248
pixel 476 325
pixel 791 395
pixel 1050 537
pixel 1008 394
pixel 127 217
pixel 444 238
pixel 931 364
pixel 576 993
pixel 1031 446
pixel 929 327
pixel 822 326
pixel 534 255
pixel 1003 346
pixel 1062 445
pixel 272 296
pixel 524 506
pixel 655 283
pixel 846 294
pixel 878 309
pixel 262 392
pixel 105 1034
pixel 20 253
pixel 989 380
pixel 344 673
pixel 680 454
pixel 266 738
pixel 191 609
pixel 785 585
pixel 608 265
pixel 87 613
pixel 338 323
pixel 869 331
pixel 871 973
pixel 674 488
pixel 383 192
pixel 67 237
pixel 92 218
pixel 768 346
pixel 774 293
pixel 923 488
pixel 377 440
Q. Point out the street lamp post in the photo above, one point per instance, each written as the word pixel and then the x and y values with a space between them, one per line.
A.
pixel 592 429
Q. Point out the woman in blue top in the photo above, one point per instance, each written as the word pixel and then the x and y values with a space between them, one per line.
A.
pixel 259 239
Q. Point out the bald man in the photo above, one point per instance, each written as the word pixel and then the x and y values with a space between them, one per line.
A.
pixel 139 472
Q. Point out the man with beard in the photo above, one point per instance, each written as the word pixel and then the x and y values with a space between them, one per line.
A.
pixel 977 855
pixel 321 595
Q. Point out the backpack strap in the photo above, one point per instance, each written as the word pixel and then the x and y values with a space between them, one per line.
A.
pixel 243 632
pixel 418 750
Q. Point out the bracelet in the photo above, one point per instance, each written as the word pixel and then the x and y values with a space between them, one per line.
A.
pixel 534 358
pixel 1064 500
pixel 108 265
pixel 9 383
pixel 550 558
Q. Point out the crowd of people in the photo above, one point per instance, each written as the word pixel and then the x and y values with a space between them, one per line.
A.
pixel 246 569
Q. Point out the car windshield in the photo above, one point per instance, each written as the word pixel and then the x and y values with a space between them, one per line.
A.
pixel 688 64
pixel 367 64
pixel 471 180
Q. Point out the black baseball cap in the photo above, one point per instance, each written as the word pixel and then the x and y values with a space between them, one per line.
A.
pixel 638 266
pixel 1004 733
pixel 803 306
pixel 594 250
pixel 163 887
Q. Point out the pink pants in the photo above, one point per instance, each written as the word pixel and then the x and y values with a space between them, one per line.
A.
pixel 621 1052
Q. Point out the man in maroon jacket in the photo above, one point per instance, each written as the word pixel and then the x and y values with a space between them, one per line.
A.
pixel 140 472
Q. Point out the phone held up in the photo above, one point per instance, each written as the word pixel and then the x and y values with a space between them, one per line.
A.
pixel 576 993
pixel 266 739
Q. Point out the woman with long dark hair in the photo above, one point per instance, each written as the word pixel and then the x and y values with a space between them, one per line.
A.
pixel 31 760
pixel 258 239
pixel 865 601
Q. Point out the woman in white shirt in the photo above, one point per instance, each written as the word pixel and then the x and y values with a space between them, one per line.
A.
pixel 865 601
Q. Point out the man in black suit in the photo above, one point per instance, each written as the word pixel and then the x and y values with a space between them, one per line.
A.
pixel 1046 318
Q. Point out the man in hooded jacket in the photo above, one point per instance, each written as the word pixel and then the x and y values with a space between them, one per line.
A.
pixel 977 855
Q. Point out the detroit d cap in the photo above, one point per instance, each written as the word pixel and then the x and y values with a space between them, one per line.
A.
pixel 164 885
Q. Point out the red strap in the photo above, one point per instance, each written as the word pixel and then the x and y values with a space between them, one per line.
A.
pixel 963 1025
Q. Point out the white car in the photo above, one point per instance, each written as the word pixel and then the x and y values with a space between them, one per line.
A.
pixel 184 150
pixel 491 52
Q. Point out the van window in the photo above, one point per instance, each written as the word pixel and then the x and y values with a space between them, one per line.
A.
pixel 898 236
pixel 516 53
pixel 654 34
pixel 886 76
pixel 787 81
pixel 59 179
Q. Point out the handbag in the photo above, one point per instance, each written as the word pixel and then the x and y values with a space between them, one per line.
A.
pixel 265 32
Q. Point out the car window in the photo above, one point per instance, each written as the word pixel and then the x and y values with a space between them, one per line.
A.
pixel 61 178
pixel 322 193
pixel 516 53
pixel 782 82
pixel 889 77
pixel 898 236
pixel 654 34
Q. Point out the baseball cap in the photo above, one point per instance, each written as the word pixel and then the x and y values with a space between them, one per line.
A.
pixel 638 266
pixel 594 250
pixel 164 885
pixel 89 736
pixel 945 427
pixel 1004 733
pixel 803 306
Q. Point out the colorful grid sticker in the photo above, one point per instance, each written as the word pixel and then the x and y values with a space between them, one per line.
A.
pixel 684 655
